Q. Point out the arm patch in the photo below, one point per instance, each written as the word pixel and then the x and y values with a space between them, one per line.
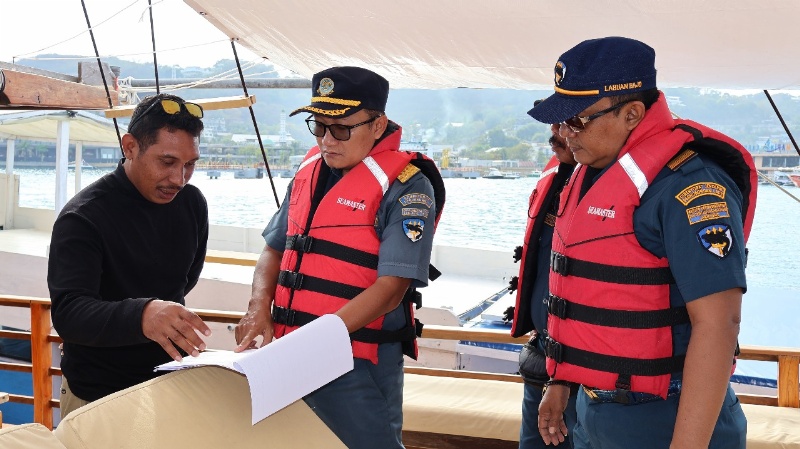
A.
pixel 407 173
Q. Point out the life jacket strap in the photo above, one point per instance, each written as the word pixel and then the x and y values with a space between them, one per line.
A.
pixel 299 281
pixel 568 266
pixel 291 317
pixel 308 244
pixel 627 319
pixel 562 353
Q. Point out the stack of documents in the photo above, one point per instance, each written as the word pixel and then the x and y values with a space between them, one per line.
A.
pixel 286 369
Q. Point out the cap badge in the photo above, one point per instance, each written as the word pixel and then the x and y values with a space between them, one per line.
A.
pixel 561 72
pixel 325 87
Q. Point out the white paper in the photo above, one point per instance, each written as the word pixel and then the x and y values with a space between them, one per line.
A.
pixel 287 369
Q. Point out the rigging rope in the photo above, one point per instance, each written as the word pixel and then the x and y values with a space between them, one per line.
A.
pixel 102 73
pixel 780 117
pixel 255 124
pixel 153 38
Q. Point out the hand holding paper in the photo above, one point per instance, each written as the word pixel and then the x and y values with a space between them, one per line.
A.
pixel 288 368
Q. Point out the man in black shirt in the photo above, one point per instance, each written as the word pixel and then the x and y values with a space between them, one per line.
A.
pixel 124 253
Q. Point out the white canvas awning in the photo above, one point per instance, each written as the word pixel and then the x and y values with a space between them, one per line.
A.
pixel 61 127
pixel 91 129
pixel 727 44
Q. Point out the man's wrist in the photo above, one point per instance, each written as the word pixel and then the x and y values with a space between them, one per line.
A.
pixel 563 383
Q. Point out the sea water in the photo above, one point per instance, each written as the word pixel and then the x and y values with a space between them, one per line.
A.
pixel 492 213
pixel 479 213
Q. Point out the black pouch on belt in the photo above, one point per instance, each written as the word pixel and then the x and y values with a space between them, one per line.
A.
pixel 532 363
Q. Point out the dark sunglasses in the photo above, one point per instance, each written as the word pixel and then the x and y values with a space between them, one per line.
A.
pixel 578 123
pixel 339 132
pixel 171 107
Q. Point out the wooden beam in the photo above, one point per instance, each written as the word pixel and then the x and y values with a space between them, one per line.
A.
pixel 42 356
pixel 788 379
pixel 427 440
pixel 459 333
pixel 462 374
pixel 208 104
pixel 21 90
pixel 231 258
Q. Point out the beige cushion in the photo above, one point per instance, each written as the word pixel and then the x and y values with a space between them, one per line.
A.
pixel 772 427
pixel 28 436
pixel 492 409
pixel 469 407
pixel 206 407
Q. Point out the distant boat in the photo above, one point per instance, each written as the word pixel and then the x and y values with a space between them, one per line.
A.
pixel 83 164
pixel 783 179
pixel 535 174
pixel 465 174
pixel 249 173
pixel 497 174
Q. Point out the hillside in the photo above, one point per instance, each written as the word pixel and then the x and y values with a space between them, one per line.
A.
pixel 476 119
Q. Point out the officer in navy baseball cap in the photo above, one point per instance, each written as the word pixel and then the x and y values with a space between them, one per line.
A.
pixel 650 194
pixel 342 91
pixel 595 69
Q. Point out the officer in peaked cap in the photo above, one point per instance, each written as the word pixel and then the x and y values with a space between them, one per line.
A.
pixel 342 91
pixel 647 266
pixel 353 237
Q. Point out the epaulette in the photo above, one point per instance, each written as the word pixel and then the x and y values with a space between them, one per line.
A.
pixel 680 159
pixel 407 173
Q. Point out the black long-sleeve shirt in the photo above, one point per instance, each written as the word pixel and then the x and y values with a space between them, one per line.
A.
pixel 111 252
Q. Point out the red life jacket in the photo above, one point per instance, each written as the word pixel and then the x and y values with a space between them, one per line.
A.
pixel 610 319
pixel 546 188
pixel 331 254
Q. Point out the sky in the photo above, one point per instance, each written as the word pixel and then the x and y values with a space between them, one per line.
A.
pixel 121 28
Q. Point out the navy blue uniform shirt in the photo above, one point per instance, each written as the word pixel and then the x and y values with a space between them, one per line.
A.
pixel 667 227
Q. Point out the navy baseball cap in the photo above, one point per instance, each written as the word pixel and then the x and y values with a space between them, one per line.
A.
pixel 343 91
pixel 594 69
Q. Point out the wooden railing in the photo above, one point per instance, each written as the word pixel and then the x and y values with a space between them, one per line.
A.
pixel 42 371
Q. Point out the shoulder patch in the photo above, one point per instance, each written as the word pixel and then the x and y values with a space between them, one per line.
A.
pixel 680 159
pixel 413 228
pixel 407 173
pixel 716 239
pixel 708 211
pixel 699 189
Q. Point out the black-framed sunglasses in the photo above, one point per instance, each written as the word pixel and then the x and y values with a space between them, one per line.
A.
pixel 578 123
pixel 171 107
pixel 338 131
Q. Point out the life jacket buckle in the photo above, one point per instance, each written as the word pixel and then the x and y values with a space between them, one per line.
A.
pixel 557 306
pixel 559 263
pixel 553 350
pixel 412 296
pixel 290 279
pixel 300 243
pixel 290 317
pixel 517 254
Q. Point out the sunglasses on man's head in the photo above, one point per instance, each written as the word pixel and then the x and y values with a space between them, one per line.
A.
pixel 171 107
pixel 339 132
pixel 578 123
